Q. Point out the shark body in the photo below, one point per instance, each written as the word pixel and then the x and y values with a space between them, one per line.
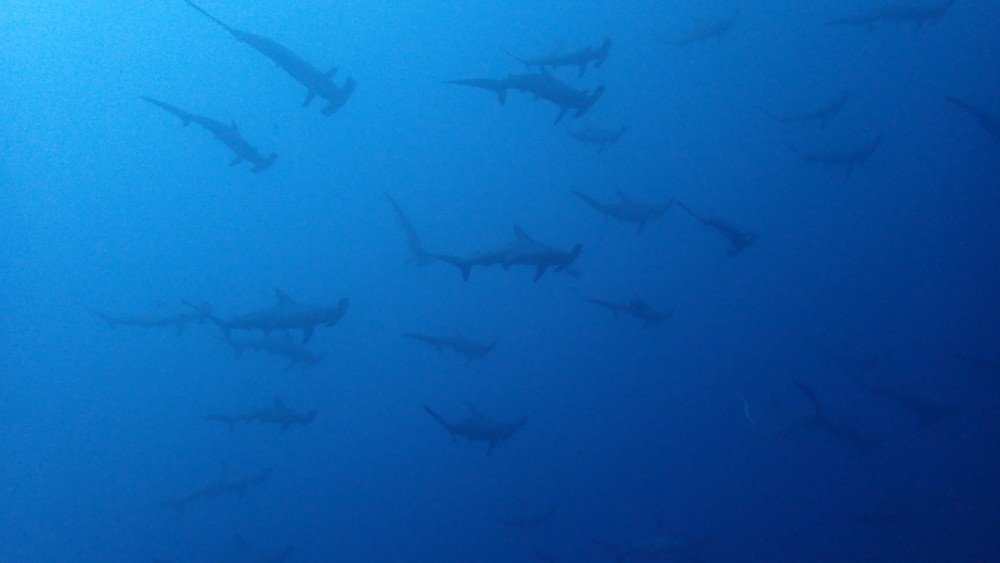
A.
pixel 524 251
pixel 315 81
pixel 627 210
pixel 276 413
pixel 579 58
pixel 228 135
pixel 457 343
pixel 479 428
pixel 287 314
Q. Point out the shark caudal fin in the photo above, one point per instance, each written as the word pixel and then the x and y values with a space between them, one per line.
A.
pixel 463 264
pixel 265 164
pixel 573 255
pixel 493 85
pixel 591 100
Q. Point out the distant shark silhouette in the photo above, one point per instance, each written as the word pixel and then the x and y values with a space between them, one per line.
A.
pixel 541 85
pixel 457 343
pixel 417 252
pixel 898 11
pixel 988 121
pixel 928 413
pixel 282 346
pixel 702 31
pixel 229 135
pixel 316 82
pixel 627 210
pixel 524 251
pixel 479 428
pixel 635 307
pixel 821 113
pixel 179 321
pixel 578 58
pixel 848 360
pixel 818 420
pixel 594 136
pixel 848 158
pixel 738 240
pixel 288 314
pixel 276 413
pixel 222 487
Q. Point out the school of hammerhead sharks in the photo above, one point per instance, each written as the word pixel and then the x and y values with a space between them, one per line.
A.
pixel 287 325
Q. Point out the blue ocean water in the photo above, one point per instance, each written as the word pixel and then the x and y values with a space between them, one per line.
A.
pixel 796 361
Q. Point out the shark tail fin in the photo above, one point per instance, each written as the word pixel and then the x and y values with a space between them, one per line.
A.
pixel 602 53
pixel 440 420
pixel 265 164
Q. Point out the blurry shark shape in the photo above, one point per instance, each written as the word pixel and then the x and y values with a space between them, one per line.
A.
pixel 579 58
pixel 457 343
pixel 417 252
pixel 178 321
pixel 928 413
pixel 595 136
pixel 848 158
pixel 988 121
pixel 479 428
pixel 288 314
pixel 738 239
pixel 282 346
pixel 223 487
pixel 276 413
pixel 818 420
pixel 635 307
pixel 316 82
pixel 543 86
pixel 534 520
pixel 524 251
pixel 228 135
pixel 821 113
pixel 627 210
pixel 702 31
pixel 900 11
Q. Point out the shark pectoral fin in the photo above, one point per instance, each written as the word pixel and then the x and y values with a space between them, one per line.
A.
pixel 236 160
pixel 310 96
pixel 539 272
pixel 330 73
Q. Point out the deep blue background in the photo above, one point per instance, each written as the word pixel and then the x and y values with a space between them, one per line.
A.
pixel 109 203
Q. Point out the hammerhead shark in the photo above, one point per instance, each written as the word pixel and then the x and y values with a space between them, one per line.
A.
pixel 282 346
pixel 222 487
pixel 818 420
pixel 821 113
pixel 738 240
pixel 478 427
pixel 275 413
pixel 988 121
pixel 627 210
pixel 898 11
pixel 578 58
pixel 179 321
pixel 541 85
pixel 417 252
pixel 457 343
pixel 662 545
pixel 229 135
pixel 316 82
pixel 848 158
pixel 635 307
pixel 594 136
pixel 287 314
pixel 928 413
pixel 702 31
pixel 524 251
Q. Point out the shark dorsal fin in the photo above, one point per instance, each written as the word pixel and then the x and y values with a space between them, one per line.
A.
pixel 623 197
pixel 283 298
pixel 232 125
pixel 521 235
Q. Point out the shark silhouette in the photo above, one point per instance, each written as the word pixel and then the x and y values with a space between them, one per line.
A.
pixel 579 58
pixel 479 428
